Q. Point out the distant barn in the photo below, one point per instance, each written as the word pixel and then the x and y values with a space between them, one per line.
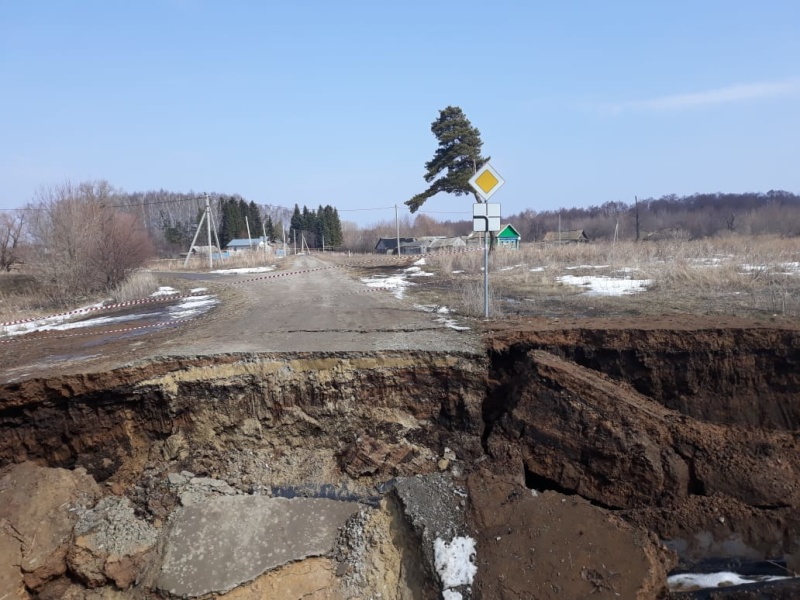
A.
pixel 569 236
pixel 389 245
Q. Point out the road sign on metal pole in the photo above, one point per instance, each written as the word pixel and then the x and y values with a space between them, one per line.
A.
pixel 486 217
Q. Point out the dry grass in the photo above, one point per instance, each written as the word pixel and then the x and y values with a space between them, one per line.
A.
pixel 238 260
pixel 139 285
pixel 736 275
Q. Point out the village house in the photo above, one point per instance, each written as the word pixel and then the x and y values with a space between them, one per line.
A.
pixel 509 237
pixel 567 236
pixel 245 244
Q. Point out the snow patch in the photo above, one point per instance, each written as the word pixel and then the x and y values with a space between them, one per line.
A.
pixel 606 286
pixel 454 561
pixel 693 581
pixel 190 307
pixel 245 270
pixel 452 324
pixel 587 267
pixel 395 283
pixel 164 291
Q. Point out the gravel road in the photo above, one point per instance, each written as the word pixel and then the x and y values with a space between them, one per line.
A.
pixel 324 310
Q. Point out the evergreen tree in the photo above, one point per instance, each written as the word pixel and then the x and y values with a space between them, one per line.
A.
pixel 269 226
pixel 336 229
pixel 296 223
pixel 254 217
pixel 457 158
pixel 232 221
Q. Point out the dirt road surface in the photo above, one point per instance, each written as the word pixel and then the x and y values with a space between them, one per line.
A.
pixel 321 308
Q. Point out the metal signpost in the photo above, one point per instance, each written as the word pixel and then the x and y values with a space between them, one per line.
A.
pixel 486 218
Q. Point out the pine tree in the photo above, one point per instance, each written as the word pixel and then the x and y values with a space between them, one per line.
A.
pixel 254 217
pixel 296 224
pixel 232 221
pixel 336 229
pixel 456 159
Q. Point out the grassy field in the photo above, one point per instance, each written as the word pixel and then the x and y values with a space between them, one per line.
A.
pixel 757 277
pixel 743 276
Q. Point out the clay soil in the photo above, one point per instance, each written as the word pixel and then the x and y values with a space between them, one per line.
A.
pixel 598 454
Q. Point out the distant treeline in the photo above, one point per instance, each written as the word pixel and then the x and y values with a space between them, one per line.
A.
pixel 683 217
pixel 171 218
pixel 690 217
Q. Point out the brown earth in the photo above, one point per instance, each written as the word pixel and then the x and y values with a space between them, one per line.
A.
pixel 677 431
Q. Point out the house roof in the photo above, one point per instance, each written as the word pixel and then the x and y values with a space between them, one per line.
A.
pixel 567 235
pixel 391 243
pixel 204 249
pixel 509 232
pixel 244 242
pixel 446 242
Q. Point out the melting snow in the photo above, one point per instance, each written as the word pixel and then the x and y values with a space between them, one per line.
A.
pixel 692 581
pixel 587 267
pixel 164 291
pixel 416 272
pixel 245 270
pixel 537 269
pixel 186 307
pixel 606 286
pixel 189 307
pixel 421 261
pixel 454 561
pixel 396 283
pixel 511 267
pixel 434 308
pixel 452 324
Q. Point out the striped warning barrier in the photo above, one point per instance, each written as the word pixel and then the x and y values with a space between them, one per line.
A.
pixel 55 336
pixel 90 309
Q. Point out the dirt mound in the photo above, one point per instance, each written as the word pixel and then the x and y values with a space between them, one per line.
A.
pixel 547 545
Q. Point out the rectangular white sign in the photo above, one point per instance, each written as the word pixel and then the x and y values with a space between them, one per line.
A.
pixel 485 217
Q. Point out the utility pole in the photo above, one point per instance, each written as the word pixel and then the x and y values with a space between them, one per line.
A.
pixel 249 237
pixel 264 231
pixel 397 229
pixel 294 231
pixel 194 239
pixel 208 227
pixel 214 227
pixel 636 200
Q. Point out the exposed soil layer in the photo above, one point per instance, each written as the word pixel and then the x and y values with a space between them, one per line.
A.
pixel 685 435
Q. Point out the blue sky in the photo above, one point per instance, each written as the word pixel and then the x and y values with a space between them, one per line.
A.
pixel 318 102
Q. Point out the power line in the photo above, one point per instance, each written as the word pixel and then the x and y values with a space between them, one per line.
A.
pixel 358 209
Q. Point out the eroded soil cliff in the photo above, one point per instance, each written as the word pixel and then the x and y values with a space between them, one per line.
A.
pixel 686 437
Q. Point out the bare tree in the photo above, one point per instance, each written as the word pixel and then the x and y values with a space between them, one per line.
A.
pixel 84 242
pixel 11 230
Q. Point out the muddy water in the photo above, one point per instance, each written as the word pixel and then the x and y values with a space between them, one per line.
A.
pixel 691 436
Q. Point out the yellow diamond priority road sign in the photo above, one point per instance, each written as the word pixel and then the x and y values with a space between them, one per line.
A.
pixel 486 181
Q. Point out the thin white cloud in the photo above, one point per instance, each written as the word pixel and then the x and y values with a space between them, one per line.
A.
pixel 726 95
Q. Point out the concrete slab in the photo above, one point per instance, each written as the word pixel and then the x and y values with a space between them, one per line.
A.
pixel 227 541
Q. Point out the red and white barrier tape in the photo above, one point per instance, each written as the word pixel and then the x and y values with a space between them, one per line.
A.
pixel 31 338
pixel 90 309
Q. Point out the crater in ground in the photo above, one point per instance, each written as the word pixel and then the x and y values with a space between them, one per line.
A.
pixel 686 439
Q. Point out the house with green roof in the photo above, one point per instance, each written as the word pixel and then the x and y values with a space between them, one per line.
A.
pixel 509 237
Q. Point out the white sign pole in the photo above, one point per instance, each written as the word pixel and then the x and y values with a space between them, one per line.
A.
pixel 486 275
pixel 486 217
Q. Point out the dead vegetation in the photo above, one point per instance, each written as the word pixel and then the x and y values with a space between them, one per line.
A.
pixel 735 275
pixel 236 260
